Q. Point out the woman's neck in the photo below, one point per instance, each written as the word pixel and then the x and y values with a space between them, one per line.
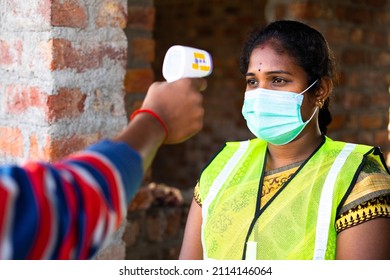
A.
pixel 297 150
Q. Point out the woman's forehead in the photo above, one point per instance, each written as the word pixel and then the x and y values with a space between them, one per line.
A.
pixel 267 56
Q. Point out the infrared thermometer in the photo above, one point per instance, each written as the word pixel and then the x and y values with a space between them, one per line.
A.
pixel 186 62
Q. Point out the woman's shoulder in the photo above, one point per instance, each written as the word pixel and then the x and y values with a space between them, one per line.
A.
pixel 369 197
pixel 373 181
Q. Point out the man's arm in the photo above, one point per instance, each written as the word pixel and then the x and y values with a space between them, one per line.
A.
pixel 66 210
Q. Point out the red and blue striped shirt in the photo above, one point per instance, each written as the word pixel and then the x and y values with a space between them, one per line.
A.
pixel 68 209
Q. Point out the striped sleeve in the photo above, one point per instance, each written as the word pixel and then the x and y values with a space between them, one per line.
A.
pixel 66 210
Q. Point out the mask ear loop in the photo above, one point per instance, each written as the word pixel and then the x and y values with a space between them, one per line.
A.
pixel 316 105
pixel 308 87
pixel 312 115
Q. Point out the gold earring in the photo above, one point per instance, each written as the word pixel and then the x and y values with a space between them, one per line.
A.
pixel 319 103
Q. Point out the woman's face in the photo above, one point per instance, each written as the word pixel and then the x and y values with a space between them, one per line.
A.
pixel 274 70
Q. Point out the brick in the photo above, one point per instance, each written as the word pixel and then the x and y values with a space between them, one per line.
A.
pixel 56 149
pixel 355 57
pixel 352 121
pixel 21 98
pixel 44 56
pixel 375 38
pixel 387 79
pixel 360 80
pixel 371 79
pixel 371 120
pixel 350 136
pixel 338 122
pixel 382 58
pixel 336 35
pixel 35 152
pixel 341 79
pixel 366 137
pixel 67 56
pixel 142 49
pixel 112 13
pixel 308 10
pixel 356 35
pixel 173 222
pixel 138 80
pixel 143 199
pixel 84 57
pixel 132 232
pixel 114 53
pixel 61 52
pixel 280 11
pixel 339 12
pixel 380 99
pixel 69 13
pixel 67 103
pixel 381 138
pixel 156 223
pixel 358 15
pixel 11 52
pixel 382 17
pixel 141 17
pixel 11 142
pixel 353 100
pixel 5 53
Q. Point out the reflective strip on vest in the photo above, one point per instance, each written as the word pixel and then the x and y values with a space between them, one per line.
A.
pixel 325 205
pixel 218 183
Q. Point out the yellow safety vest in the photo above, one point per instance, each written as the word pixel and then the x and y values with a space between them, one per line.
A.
pixel 297 223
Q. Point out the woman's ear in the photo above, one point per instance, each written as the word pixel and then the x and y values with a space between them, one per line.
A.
pixel 325 89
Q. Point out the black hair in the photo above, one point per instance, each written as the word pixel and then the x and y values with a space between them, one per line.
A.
pixel 303 43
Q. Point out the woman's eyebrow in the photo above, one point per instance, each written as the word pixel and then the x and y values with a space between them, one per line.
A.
pixel 278 72
pixel 271 73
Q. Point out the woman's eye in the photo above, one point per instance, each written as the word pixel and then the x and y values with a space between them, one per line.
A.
pixel 251 82
pixel 278 81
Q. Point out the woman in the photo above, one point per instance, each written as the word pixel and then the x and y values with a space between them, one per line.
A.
pixel 291 193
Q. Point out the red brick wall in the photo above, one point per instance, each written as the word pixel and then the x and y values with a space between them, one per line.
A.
pixel 55 58
pixel 62 67
pixel 139 31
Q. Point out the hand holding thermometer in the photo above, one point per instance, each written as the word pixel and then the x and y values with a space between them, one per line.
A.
pixel 186 62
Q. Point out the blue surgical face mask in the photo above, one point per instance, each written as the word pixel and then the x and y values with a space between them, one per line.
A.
pixel 273 115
